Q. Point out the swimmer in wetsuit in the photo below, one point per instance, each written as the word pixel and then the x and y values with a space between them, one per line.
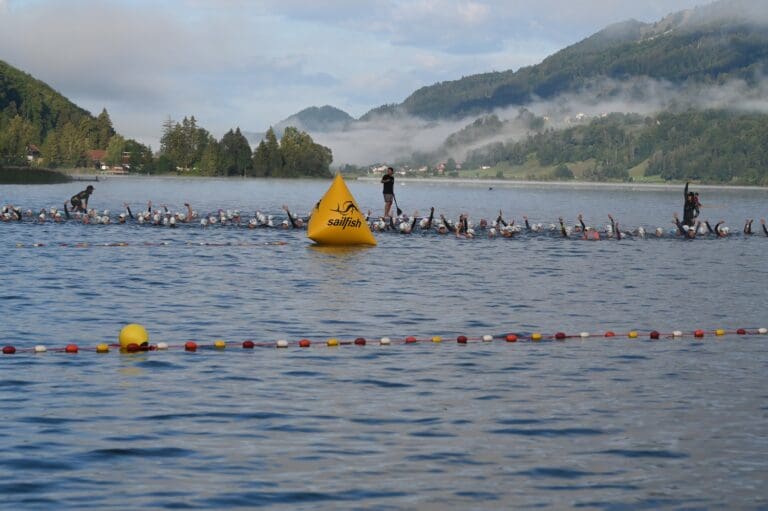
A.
pixel 690 208
pixel 79 201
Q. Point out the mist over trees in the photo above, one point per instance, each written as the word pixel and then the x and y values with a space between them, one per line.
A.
pixel 713 146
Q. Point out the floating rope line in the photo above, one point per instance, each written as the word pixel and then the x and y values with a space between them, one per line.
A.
pixel 334 342
pixel 117 244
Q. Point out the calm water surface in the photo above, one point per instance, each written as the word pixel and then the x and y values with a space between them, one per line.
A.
pixel 593 424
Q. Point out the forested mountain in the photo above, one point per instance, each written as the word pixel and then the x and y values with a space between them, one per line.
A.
pixel 709 44
pixel 316 119
pixel 711 146
pixel 32 113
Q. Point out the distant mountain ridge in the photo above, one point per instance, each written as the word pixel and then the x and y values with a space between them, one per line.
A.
pixel 709 44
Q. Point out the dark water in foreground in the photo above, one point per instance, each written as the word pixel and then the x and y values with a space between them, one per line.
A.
pixel 594 424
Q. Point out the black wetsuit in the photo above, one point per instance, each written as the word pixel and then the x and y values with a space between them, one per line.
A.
pixel 689 208
pixel 77 200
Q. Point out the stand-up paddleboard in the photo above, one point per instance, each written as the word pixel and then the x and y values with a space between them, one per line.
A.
pixel 336 219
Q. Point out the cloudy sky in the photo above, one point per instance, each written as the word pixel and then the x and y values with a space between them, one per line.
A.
pixel 253 63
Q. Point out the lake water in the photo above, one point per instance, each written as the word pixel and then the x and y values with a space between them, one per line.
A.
pixel 596 423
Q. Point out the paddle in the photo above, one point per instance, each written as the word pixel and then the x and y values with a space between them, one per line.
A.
pixel 399 211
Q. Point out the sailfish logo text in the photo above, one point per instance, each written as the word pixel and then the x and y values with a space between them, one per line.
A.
pixel 345 221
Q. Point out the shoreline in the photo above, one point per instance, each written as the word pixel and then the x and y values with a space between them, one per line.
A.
pixel 508 183
pixel 568 184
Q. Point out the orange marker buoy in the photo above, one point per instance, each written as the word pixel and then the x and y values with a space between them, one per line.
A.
pixel 190 346
pixel 410 339
pixel 610 334
pixel 304 343
pixel 511 338
pixel 71 348
pixel 698 333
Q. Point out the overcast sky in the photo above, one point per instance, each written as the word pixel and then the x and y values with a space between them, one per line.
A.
pixel 253 63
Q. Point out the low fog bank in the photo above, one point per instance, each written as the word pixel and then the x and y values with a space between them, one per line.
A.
pixel 391 138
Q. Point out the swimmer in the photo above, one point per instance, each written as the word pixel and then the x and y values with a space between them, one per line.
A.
pixel 721 232
pixel 690 210
pixel 563 230
pixel 79 201
pixel 765 229
pixel 426 223
pixel 615 227
pixel 296 223
pixel 406 227
pixel 447 223
pixel 582 226
pixel 748 227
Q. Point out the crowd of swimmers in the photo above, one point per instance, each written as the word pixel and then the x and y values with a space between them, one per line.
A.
pixel 462 226
pixel 77 210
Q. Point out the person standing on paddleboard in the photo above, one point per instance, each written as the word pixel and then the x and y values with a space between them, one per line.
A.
pixel 388 180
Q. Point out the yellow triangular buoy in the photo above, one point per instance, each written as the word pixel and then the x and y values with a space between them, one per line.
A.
pixel 336 219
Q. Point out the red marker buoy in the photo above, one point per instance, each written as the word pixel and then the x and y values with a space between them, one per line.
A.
pixel 610 334
pixel 248 345
pixel 360 341
pixel 741 331
pixel 9 350
pixel 190 346
pixel 132 348
pixel 71 348
pixel 511 338
pixel 304 343
pixel 654 334
pixel 560 336
pixel 410 339
pixel 698 333
pixel 462 339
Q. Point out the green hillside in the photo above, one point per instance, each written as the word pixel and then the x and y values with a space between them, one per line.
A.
pixel 34 114
pixel 710 146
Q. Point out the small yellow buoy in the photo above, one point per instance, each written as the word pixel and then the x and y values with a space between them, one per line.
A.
pixel 219 344
pixel 719 331
pixel 332 342
pixel 436 338
pixel 535 336
pixel 632 334
pixel 102 348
